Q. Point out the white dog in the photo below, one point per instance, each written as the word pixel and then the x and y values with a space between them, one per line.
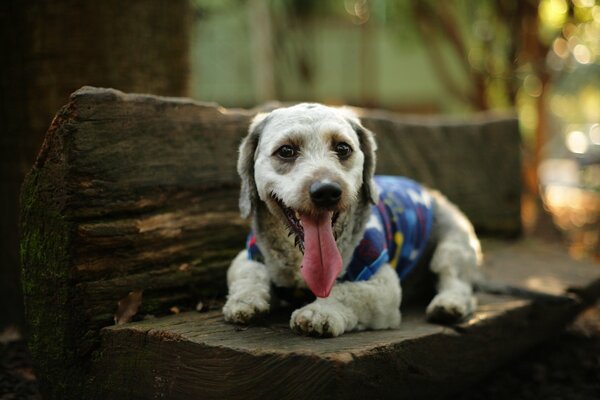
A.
pixel 321 220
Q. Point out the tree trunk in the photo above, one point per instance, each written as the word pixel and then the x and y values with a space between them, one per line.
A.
pixel 55 47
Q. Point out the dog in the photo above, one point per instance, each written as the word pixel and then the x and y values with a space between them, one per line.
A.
pixel 319 225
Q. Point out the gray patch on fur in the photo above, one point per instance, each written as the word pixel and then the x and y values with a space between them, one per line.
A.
pixel 245 168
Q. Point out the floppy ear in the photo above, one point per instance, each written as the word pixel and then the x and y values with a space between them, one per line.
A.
pixel 368 147
pixel 245 166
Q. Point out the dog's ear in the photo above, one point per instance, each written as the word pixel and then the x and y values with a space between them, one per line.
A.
pixel 368 147
pixel 245 166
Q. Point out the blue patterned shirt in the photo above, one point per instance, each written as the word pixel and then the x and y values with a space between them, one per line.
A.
pixel 397 232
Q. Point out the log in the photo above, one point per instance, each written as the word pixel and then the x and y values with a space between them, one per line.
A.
pixel 197 355
pixel 476 164
pixel 137 192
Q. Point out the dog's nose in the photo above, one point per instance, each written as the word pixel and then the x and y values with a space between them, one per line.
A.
pixel 325 194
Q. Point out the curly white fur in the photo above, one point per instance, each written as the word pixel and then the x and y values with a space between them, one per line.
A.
pixel 371 304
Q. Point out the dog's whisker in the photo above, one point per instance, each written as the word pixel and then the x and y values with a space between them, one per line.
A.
pixel 293 222
pixel 298 243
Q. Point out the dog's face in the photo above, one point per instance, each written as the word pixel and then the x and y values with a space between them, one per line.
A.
pixel 309 164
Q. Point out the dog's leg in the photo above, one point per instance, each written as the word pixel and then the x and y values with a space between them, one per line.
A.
pixel 249 290
pixel 372 304
pixel 455 261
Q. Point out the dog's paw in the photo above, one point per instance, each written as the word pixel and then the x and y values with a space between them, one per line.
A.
pixel 449 307
pixel 242 308
pixel 323 320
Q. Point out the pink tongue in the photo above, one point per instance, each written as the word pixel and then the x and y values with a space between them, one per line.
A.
pixel 322 261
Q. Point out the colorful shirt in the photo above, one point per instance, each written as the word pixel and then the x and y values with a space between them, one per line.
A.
pixel 397 232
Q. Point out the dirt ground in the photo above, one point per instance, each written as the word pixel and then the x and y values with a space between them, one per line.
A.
pixel 17 376
pixel 565 368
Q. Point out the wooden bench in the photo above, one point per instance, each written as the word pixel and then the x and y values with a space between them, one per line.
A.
pixel 139 193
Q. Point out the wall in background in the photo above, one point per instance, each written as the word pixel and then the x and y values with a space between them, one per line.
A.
pixel 329 60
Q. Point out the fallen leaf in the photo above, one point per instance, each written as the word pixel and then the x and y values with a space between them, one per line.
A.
pixel 26 373
pixel 175 310
pixel 588 322
pixel 10 334
pixel 184 267
pixel 128 307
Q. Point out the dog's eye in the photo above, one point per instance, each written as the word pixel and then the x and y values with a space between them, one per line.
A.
pixel 343 150
pixel 287 152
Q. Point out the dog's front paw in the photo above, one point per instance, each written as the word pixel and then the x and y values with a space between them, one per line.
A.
pixel 449 307
pixel 318 319
pixel 241 308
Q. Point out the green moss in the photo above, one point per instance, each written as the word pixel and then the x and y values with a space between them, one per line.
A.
pixel 45 246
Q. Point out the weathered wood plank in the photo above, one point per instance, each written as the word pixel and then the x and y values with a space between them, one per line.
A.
pixel 476 163
pixel 125 148
pixel 197 355
pixel 140 192
pixel 539 268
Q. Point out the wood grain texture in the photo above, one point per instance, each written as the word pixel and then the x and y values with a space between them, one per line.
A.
pixel 194 355
pixel 137 192
pixel 197 355
pixel 475 164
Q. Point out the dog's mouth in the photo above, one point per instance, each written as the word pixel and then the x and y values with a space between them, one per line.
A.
pixel 315 237
pixel 295 226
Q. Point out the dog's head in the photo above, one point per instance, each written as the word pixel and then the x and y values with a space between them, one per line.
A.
pixel 309 164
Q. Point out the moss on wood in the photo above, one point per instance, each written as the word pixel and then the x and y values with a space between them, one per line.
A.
pixel 45 248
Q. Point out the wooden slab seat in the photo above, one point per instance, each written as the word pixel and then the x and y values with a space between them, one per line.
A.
pixel 136 192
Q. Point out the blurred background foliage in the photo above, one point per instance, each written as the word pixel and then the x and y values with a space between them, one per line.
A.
pixel 540 58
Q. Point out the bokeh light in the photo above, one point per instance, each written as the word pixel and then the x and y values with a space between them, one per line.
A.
pixel 577 142
pixel 595 134
pixel 553 13
pixel 582 54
